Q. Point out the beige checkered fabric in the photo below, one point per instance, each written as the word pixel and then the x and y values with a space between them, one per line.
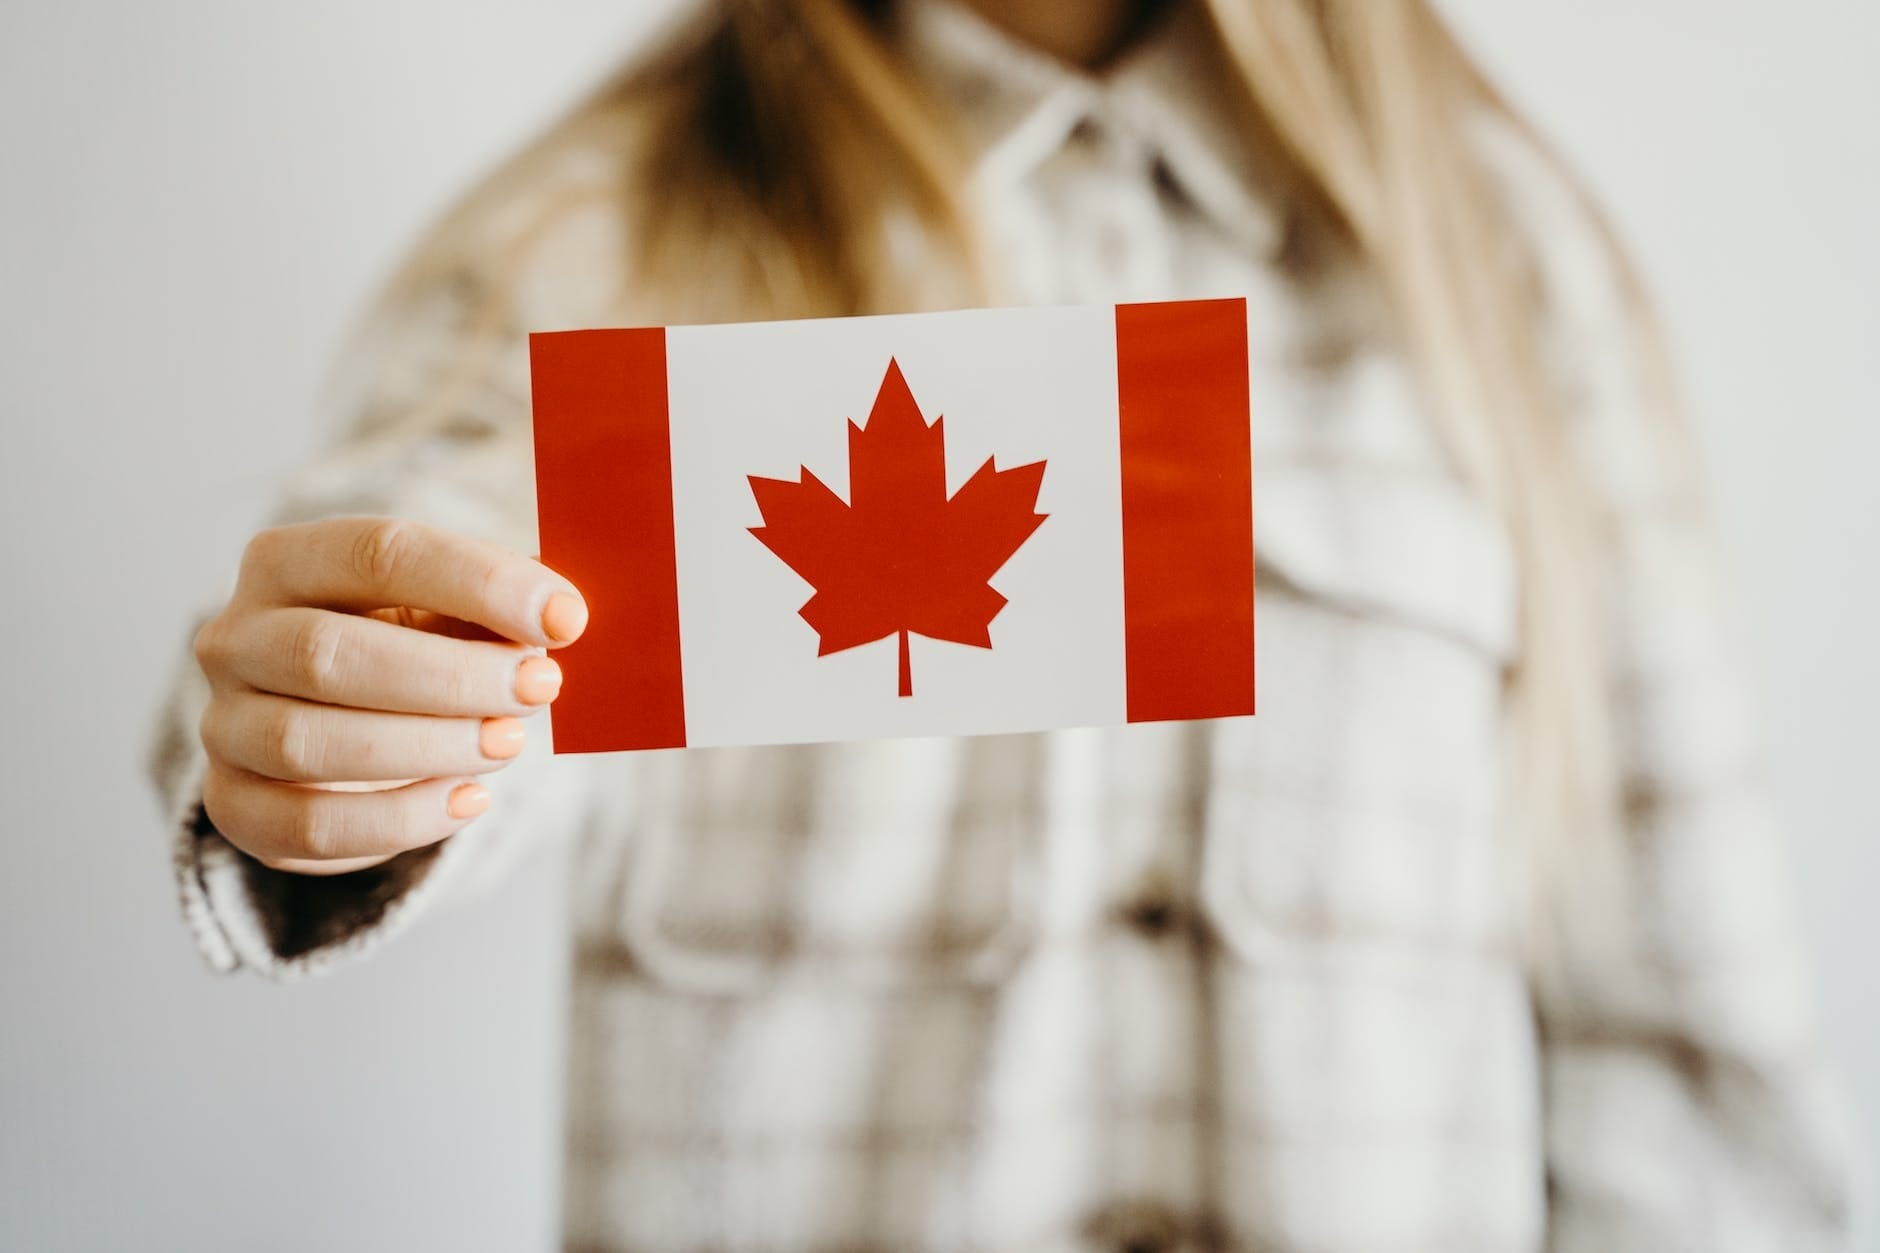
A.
pixel 1256 984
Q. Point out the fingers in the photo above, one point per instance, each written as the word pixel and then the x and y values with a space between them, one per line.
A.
pixel 299 741
pixel 366 663
pixel 369 651
pixel 313 830
pixel 374 563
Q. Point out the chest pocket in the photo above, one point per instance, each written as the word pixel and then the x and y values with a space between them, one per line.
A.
pixel 890 864
pixel 1360 809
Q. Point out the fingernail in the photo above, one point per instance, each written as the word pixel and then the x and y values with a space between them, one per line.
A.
pixel 564 618
pixel 467 800
pixel 538 681
pixel 501 738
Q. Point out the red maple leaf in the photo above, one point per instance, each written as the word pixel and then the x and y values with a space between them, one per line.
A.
pixel 899 557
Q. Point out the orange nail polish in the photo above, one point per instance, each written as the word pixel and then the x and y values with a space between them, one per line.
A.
pixel 564 618
pixel 501 738
pixel 467 800
pixel 538 681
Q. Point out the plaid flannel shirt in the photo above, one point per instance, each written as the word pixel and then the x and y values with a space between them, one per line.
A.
pixel 1257 984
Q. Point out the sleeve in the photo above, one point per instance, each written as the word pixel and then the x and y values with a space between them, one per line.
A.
pixel 436 431
pixel 1687 1106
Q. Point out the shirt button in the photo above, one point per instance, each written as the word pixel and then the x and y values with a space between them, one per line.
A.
pixel 1151 916
pixel 1113 245
pixel 1156 911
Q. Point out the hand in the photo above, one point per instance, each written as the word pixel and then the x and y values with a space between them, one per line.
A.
pixel 365 670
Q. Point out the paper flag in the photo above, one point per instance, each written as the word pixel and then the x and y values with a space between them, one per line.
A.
pixel 956 523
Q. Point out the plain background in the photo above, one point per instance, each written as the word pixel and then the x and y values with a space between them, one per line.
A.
pixel 196 197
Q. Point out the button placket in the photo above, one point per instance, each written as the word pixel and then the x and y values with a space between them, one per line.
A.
pixel 1115 241
pixel 1132 238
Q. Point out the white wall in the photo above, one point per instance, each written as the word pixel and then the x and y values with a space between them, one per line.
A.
pixel 197 194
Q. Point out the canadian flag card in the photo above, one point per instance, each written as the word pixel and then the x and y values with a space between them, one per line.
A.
pixel 953 523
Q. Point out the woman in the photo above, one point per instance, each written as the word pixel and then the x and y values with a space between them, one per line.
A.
pixel 1466 942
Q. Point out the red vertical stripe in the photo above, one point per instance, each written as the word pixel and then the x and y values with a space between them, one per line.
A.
pixel 1181 373
pixel 603 477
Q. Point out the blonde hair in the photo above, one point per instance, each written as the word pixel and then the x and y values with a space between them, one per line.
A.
pixel 776 141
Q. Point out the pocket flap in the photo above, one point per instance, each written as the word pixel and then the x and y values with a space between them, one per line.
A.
pixel 885 863
pixel 1405 545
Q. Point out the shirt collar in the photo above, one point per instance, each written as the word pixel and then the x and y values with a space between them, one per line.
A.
pixel 1170 95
